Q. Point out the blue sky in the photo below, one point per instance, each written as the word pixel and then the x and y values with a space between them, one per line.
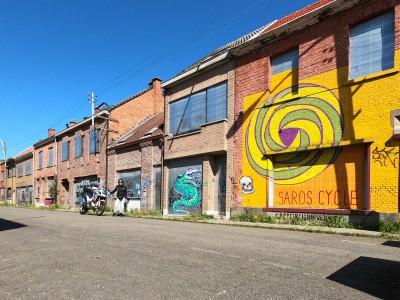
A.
pixel 54 52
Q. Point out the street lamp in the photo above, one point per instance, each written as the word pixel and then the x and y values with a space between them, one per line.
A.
pixel 5 170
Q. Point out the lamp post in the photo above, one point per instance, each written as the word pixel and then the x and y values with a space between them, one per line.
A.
pixel 5 170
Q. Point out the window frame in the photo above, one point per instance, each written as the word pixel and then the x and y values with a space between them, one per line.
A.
pixel 28 171
pixel 358 34
pixel 80 154
pixel 65 151
pixel 40 159
pixel 51 157
pixel 175 122
pixel 97 141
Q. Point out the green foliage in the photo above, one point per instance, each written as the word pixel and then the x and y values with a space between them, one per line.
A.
pixel 251 216
pixel 389 227
pixel 53 191
pixel 337 222
pixel 141 214
pixel 51 207
pixel 197 217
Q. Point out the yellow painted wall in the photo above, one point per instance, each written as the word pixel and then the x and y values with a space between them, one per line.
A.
pixel 327 110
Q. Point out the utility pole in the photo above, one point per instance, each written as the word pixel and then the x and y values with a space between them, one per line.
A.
pixel 5 170
pixel 92 100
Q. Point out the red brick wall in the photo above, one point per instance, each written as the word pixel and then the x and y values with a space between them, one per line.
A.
pixel 322 47
pixel 135 110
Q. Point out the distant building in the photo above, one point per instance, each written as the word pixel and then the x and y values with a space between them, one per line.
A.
pixel 44 167
pixel 82 147
pixel 23 184
pixel 136 157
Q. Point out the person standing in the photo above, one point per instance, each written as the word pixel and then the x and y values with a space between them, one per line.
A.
pixel 122 193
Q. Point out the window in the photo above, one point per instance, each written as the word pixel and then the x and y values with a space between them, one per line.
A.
pixel 50 157
pixel 20 170
pixel 11 172
pixel 40 159
pixel 280 65
pixel 78 146
pixel 285 62
pixel 65 151
pixel 93 141
pixel 28 168
pixel 203 107
pixel 372 46
pixel 2 175
pixel 216 103
pixel 132 180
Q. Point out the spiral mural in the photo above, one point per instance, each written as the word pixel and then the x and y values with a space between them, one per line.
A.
pixel 289 125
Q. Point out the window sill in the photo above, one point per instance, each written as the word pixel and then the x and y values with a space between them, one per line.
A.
pixel 183 134
pixel 372 76
pixel 325 146
pixel 214 122
pixel 194 131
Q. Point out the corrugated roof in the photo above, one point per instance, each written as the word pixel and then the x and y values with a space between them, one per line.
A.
pixel 150 127
pixel 224 49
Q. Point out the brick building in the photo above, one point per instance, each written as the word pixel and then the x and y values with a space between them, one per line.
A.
pixel 199 140
pixel 136 157
pixel 44 166
pixel 317 106
pixel 23 184
pixel 2 180
pixel 82 147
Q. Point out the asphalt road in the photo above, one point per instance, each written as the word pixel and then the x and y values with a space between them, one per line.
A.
pixel 63 255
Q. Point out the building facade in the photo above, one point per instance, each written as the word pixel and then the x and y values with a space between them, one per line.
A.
pixel 23 184
pixel 136 157
pixel 317 95
pixel 45 153
pixel 2 181
pixel 82 159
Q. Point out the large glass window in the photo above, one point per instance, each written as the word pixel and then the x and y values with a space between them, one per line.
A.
pixel 93 141
pixel 132 180
pixel 40 159
pixel 372 46
pixel 20 169
pixel 50 157
pixel 78 146
pixel 65 151
pixel 203 107
pixel 285 62
pixel 28 167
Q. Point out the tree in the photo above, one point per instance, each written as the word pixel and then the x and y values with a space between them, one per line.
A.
pixel 53 191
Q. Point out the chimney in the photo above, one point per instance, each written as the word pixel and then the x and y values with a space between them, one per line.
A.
pixel 51 132
pixel 155 81
pixel 72 123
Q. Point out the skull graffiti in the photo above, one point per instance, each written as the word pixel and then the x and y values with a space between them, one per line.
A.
pixel 247 185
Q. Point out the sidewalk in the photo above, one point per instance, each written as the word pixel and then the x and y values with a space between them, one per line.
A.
pixel 320 229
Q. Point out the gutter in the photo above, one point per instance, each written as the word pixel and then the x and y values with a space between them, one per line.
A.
pixel 196 69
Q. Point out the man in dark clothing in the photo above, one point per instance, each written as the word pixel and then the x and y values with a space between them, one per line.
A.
pixel 122 193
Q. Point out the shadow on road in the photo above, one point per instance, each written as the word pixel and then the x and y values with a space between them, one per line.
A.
pixel 392 244
pixel 8 225
pixel 377 277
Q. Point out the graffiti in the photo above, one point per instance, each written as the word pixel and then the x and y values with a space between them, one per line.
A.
pixel 386 157
pixel 322 197
pixel 246 183
pixel 188 187
pixel 282 125
pixel 304 217
pixel 146 186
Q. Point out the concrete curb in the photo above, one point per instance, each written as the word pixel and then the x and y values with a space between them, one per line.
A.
pixel 331 230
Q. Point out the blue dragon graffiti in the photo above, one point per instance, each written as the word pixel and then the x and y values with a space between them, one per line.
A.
pixel 188 187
